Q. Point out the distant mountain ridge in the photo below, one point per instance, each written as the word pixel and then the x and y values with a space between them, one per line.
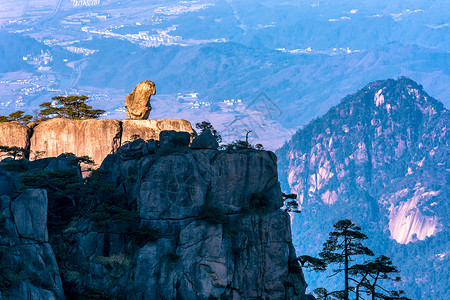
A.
pixel 380 157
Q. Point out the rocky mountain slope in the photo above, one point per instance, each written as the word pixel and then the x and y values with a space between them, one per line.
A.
pixel 380 158
pixel 158 220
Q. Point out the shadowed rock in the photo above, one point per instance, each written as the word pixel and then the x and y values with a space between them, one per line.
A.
pixel 170 139
pixel 26 253
pixel 205 140
pixel 138 102
pixel 29 211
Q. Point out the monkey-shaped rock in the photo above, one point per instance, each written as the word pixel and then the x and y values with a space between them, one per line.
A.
pixel 138 102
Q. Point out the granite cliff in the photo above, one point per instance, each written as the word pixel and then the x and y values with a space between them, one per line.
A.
pixel 95 138
pixel 157 220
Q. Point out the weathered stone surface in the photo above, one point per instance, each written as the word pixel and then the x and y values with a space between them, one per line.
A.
pixel 134 149
pixel 8 183
pixel 228 178
pixel 62 163
pixel 14 134
pixel 205 140
pixel 171 139
pixel 245 258
pixel 150 129
pixel 137 102
pixel 94 138
pixel 248 256
pixel 27 291
pixel 29 211
pixel 26 254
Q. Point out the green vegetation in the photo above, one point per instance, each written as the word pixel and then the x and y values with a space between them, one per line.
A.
pixel 290 203
pixel 119 261
pixel 142 236
pixel 20 165
pixel 69 107
pixel 16 116
pixel 240 145
pixel 343 244
pixel 14 151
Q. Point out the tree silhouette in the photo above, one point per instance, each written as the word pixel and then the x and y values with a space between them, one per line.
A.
pixel 14 151
pixel 16 116
pixel 371 273
pixel 343 243
pixel 206 125
pixel 70 107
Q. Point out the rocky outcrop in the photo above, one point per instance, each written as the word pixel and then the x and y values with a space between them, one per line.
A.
pixel 137 102
pixel 158 220
pixel 8 183
pixel 29 212
pixel 150 129
pixel 211 239
pixel 28 264
pixel 94 138
pixel 14 134
pixel 205 140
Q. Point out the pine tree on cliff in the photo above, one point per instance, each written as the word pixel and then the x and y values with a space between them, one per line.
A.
pixel 370 275
pixel 16 116
pixel 343 243
pixel 70 107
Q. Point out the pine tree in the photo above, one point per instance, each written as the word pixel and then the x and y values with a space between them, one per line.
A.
pixel 344 243
pixel 16 116
pixel 206 125
pixel 371 273
pixel 70 107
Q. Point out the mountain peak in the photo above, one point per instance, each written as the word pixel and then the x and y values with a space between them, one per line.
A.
pixel 380 157
pixel 389 95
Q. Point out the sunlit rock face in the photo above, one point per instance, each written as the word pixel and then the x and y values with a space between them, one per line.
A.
pixel 150 129
pixel 381 158
pixel 14 134
pixel 407 223
pixel 94 138
pixel 137 102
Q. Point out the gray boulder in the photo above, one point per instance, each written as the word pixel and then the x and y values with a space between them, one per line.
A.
pixel 29 211
pixel 205 140
pixel 26 254
pixel 132 150
pixel 243 256
pixel 63 163
pixel 171 139
pixel 8 183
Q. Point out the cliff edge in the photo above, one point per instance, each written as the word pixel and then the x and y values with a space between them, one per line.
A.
pixel 177 223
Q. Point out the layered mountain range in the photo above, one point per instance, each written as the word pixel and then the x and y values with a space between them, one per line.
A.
pixel 380 158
